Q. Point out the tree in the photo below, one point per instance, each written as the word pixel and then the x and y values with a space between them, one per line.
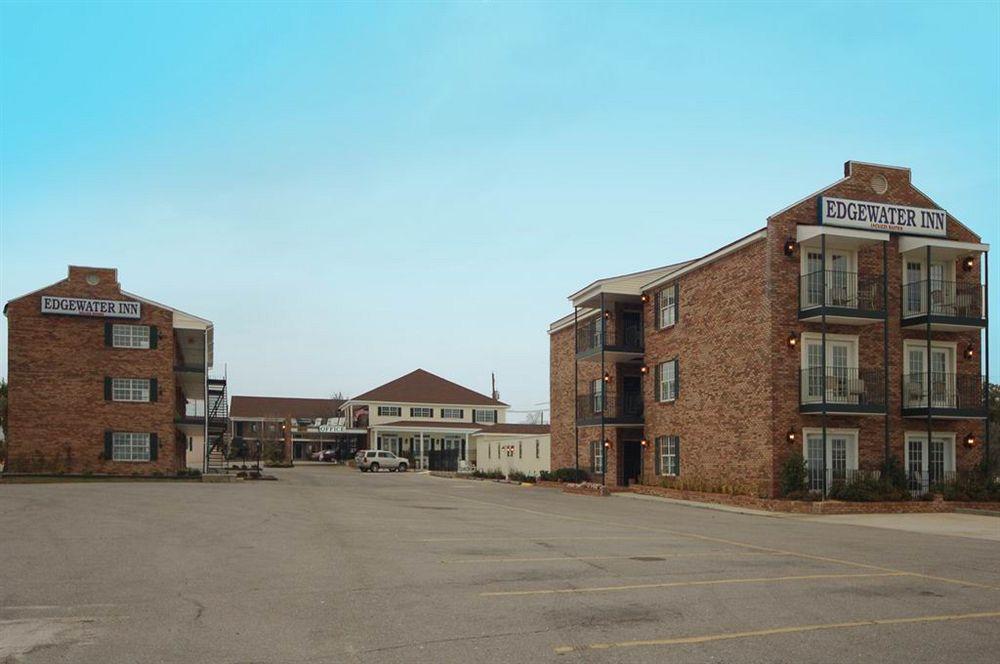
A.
pixel 338 395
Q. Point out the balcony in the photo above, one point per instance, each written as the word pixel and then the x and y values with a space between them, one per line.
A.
pixel 622 337
pixel 951 395
pixel 953 305
pixel 844 297
pixel 842 390
pixel 610 408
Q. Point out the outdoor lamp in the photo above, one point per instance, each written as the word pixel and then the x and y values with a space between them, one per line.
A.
pixel 607 443
pixel 970 351
pixel 644 369
pixel 607 377
pixel 644 297
pixel 970 439
pixel 791 436
pixel 607 315
pixel 967 263
pixel 792 340
pixel 789 247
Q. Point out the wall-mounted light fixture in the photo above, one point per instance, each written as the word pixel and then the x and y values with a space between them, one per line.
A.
pixel 792 340
pixel 970 439
pixel 607 443
pixel 607 377
pixel 789 247
pixel 644 297
pixel 644 442
pixel 607 315
pixel 968 263
pixel 644 369
pixel 970 351
pixel 790 436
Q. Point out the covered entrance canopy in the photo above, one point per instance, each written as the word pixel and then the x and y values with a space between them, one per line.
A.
pixel 421 441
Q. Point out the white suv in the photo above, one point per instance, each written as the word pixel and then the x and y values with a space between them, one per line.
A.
pixel 376 460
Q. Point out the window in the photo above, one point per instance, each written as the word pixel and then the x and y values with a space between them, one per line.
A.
pixel 927 465
pixel 421 412
pixel 452 413
pixel 130 389
pixel 597 395
pixel 484 416
pixel 842 383
pixel 943 392
pixel 666 307
pixel 841 456
pixel 666 381
pixel 597 457
pixel 668 455
pixel 390 411
pixel 129 336
pixel 130 446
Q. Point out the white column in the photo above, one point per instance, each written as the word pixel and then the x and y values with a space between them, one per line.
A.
pixel 420 462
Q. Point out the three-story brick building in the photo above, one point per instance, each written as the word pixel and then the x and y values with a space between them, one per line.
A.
pixel 852 327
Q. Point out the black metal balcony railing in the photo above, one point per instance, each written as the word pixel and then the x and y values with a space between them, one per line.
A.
pixel 920 482
pixel 815 474
pixel 842 290
pixel 948 391
pixel 862 390
pixel 610 405
pixel 609 334
pixel 947 298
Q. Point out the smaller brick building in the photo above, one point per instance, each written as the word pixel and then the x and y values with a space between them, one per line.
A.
pixel 852 328
pixel 106 382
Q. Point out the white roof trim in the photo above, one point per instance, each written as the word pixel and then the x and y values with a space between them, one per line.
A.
pixel 194 322
pixel 805 232
pixel 910 243
pixel 598 286
pixel 709 258
pixel 424 404
pixel 566 321
pixel 806 198
pixel 389 427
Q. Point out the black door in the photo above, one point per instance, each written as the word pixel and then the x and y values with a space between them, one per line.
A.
pixel 631 404
pixel 631 329
pixel 631 464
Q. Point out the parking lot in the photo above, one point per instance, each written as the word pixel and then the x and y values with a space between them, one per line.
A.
pixel 332 565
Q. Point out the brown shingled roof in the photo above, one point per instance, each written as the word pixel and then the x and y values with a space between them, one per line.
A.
pixel 425 424
pixel 424 387
pixel 529 429
pixel 293 407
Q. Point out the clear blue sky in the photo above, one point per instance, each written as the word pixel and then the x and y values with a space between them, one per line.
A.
pixel 352 191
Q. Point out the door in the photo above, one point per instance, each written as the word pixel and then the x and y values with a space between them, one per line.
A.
pixel 631 404
pixel 928 465
pixel 838 462
pixel 841 280
pixel 915 288
pixel 631 329
pixel 942 377
pixel 837 385
pixel 631 462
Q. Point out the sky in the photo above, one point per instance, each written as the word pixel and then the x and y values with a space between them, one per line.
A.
pixel 351 191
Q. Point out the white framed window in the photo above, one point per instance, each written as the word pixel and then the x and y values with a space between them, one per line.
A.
pixel 128 446
pixel 928 464
pixel 841 278
pixel 484 416
pixel 452 413
pixel 942 286
pixel 421 411
pixel 666 376
pixel 390 411
pixel 943 374
pixel 841 455
pixel 597 395
pixel 129 336
pixel 598 455
pixel 842 383
pixel 389 443
pixel 666 307
pixel 668 449
pixel 130 389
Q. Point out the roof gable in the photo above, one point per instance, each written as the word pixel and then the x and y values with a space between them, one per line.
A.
pixel 424 387
pixel 282 407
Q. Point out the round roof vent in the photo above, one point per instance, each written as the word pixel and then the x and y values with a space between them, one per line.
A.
pixel 879 184
pixel 93 279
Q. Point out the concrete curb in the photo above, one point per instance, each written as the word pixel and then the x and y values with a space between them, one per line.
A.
pixel 709 506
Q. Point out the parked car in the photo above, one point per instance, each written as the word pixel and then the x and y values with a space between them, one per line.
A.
pixel 317 456
pixel 328 455
pixel 376 460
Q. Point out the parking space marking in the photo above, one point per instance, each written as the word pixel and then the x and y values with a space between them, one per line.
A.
pixel 794 629
pixel 745 545
pixel 540 538
pixel 684 584
pixel 640 557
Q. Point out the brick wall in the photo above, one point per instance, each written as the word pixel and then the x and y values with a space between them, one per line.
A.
pixel 57 365
pixel 720 340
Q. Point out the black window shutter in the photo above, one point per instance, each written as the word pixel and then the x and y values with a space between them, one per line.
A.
pixel 109 334
pixel 656 382
pixel 154 446
pixel 109 445
pixel 593 460
pixel 677 302
pixel 107 389
pixel 474 421
pixel 154 336
pixel 656 450
pixel 677 449
pixel 677 378
pixel 153 391
pixel 657 323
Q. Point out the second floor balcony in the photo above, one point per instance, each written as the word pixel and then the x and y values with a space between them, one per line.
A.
pixel 844 390
pixel 844 297
pixel 620 335
pixel 945 394
pixel 610 407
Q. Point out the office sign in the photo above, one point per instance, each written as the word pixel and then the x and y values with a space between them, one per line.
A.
pixel 78 306
pixel 883 217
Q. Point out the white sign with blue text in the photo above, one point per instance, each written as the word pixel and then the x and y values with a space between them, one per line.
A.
pixel 883 217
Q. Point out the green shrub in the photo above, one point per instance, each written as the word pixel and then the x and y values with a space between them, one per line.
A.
pixel 969 487
pixel 565 475
pixel 518 476
pixel 793 476
pixel 894 474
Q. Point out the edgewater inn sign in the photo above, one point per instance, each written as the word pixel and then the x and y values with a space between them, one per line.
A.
pixel 76 306
pixel 883 217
